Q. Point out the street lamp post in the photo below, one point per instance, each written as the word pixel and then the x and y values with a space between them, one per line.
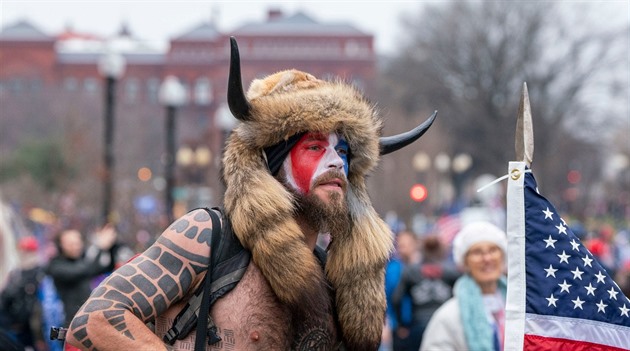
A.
pixel 172 95
pixel 419 192
pixel 111 66
pixel 193 163
pixel 461 164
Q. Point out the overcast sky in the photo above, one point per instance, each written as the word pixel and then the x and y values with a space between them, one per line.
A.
pixel 156 21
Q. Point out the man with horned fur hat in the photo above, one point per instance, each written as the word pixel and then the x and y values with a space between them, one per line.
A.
pixel 294 168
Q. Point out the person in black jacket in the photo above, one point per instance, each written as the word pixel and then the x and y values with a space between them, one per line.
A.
pixel 20 306
pixel 74 268
pixel 429 284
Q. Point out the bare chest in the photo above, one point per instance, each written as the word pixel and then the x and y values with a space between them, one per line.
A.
pixel 251 318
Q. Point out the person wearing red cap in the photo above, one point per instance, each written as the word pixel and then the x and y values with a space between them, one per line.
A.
pixel 19 302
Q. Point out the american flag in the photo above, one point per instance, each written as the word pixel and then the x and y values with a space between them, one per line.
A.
pixel 559 296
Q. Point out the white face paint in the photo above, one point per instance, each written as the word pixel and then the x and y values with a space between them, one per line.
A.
pixel 314 155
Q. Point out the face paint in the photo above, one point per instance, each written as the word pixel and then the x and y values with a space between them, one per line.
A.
pixel 313 155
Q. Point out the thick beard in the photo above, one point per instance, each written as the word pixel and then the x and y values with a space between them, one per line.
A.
pixel 332 217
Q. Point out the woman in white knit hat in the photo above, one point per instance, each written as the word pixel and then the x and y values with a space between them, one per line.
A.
pixel 474 318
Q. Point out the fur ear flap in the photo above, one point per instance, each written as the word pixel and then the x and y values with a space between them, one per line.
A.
pixel 355 268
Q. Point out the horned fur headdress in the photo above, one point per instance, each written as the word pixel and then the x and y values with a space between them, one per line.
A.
pixel 262 210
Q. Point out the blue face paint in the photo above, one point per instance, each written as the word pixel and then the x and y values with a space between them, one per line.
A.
pixel 343 150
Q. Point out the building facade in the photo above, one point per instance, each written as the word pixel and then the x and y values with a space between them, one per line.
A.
pixel 52 83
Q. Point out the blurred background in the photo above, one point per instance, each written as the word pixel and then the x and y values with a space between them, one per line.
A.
pixel 116 111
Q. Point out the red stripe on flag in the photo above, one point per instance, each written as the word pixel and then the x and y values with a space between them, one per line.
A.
pixel 541 343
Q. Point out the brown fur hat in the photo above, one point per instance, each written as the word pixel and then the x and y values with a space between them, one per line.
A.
pixel 262 210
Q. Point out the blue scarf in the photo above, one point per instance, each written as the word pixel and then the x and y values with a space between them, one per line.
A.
pixel 479 333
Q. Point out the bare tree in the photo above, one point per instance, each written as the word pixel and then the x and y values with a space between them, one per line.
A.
pixel 470 59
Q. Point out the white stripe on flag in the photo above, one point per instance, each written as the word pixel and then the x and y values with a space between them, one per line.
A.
pixel 577 329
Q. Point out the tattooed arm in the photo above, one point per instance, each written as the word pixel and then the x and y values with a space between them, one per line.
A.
pixel 114 316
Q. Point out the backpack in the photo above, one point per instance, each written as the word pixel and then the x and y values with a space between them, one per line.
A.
pixel 19 300
pixel 227 265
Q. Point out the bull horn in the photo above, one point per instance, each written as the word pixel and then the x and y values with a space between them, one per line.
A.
pixel 395 142
pixel 237 101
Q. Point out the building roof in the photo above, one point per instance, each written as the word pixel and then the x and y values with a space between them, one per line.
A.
pixel 204 31
pixel 93 58
pixel 296 24
pixel 24 31
pixel 124 42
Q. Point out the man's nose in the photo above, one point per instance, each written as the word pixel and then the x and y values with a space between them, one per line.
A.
pixel 335 161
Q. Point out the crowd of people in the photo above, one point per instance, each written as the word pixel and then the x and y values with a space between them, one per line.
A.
pixel 294 169
pixel 50 277
pixel 423 278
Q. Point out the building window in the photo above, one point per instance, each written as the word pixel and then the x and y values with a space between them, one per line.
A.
pixel 90 85
pixel 36 85
pixel 153 88
pixel 132 88
pixel 70 84
pixel 186 87
pixel 203 91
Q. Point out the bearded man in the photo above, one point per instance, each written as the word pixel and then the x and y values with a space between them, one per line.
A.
pixel 293 169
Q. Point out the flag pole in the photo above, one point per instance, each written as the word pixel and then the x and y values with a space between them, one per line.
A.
pixel 515 229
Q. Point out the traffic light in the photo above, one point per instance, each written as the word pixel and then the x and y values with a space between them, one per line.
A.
pixel 418 192
pixel 574 176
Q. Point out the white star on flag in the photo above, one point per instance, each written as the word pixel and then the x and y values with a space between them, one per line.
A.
pixel 551 271
pixel 601 306
pixel 587 262
pixel 564 286
pixel 562 229
pixel 577 303
pixel 552 300
pixel 600 277
pixel 564 257
pixel 548 214
pixel 590 289
pixel 575 246
pixel 550 242
pixel 624 310
pixel 577 273
pixel 613 293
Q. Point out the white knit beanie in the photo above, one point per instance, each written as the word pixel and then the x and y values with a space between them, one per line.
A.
pixel 474 233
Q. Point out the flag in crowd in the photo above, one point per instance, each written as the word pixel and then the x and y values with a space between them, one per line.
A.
pixel 559 296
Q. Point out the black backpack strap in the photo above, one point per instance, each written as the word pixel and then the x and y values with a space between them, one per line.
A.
pixel 202 323
pixel 321 255
pixel 229 264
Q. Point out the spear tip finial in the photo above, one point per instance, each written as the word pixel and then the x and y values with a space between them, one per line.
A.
pixel 524 142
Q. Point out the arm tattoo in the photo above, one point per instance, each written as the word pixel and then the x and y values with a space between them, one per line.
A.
pixel 151 282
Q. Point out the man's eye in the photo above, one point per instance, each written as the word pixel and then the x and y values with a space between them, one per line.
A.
pixel 314 147
pixel 342 151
